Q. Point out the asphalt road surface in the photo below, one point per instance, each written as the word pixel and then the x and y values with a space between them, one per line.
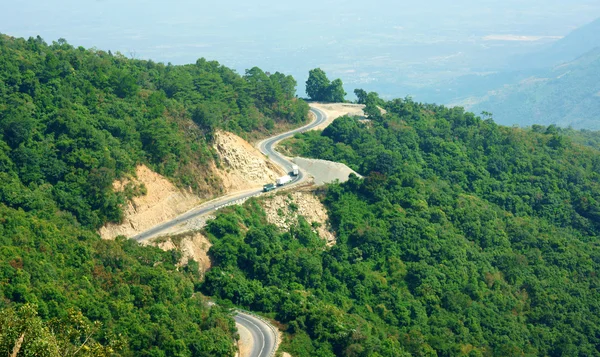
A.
pixel 266 147
pixel 263 337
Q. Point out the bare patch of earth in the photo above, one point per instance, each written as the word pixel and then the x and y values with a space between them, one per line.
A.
pixel 283 210
pixel 242 166
pixel 193 246
pixel 162 201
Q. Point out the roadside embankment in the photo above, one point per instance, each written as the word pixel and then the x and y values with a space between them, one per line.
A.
pixel 242 168
pixel 161 202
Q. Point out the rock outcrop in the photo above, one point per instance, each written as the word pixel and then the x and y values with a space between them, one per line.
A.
pixel 193 246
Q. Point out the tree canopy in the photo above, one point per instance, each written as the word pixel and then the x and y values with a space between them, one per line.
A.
pixel 319 88
pixel 72 121
pixel 464 238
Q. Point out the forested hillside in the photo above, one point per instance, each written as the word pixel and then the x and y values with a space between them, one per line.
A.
pixel 584 137
pixel 71 122
pixel 465 238
pixel 77 119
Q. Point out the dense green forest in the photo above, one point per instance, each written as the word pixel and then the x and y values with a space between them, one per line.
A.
pixel 585 137
pixel 72 120
pixel 465 238
pixel 77 119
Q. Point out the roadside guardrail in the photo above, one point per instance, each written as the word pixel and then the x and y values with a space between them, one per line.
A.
pixel 275 331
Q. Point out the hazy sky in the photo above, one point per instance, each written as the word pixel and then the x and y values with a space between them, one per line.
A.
pixel 363 42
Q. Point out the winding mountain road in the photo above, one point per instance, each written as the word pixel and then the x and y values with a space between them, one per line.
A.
pixel 263 335
pixel 267 147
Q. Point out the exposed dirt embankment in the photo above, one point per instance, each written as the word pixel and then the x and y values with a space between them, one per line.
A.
pixel 283 210
pixel 192 246
pixel 161 202
pixel 243 166
pixel 246 342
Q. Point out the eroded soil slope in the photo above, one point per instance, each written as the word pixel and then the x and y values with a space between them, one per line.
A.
pixel 242 167
pixel 161 202
pixel 283 211
pixel 193 246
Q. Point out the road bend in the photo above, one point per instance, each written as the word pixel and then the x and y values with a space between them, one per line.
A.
pixel 264 340
pixel 263 335
pixel 267 147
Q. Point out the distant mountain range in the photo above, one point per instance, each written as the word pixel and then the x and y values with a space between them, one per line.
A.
pixel 557 85
pixel 566 95
pixel 567 49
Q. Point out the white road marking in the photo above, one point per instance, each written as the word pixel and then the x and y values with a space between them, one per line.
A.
pixel 259 329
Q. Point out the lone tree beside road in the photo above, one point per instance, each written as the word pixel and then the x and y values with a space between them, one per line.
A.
pixel 318 87
pixel 336 91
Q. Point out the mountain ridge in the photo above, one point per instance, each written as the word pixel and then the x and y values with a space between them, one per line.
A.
pixel 570 47
pixel 565 95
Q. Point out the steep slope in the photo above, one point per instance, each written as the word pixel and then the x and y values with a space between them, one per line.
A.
pixel 102 114
pixel 159 202
pixel 241 167
pixel 72 123
pixel 192 246
pixel 284 210
pixel 523 83
pixel 576 43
